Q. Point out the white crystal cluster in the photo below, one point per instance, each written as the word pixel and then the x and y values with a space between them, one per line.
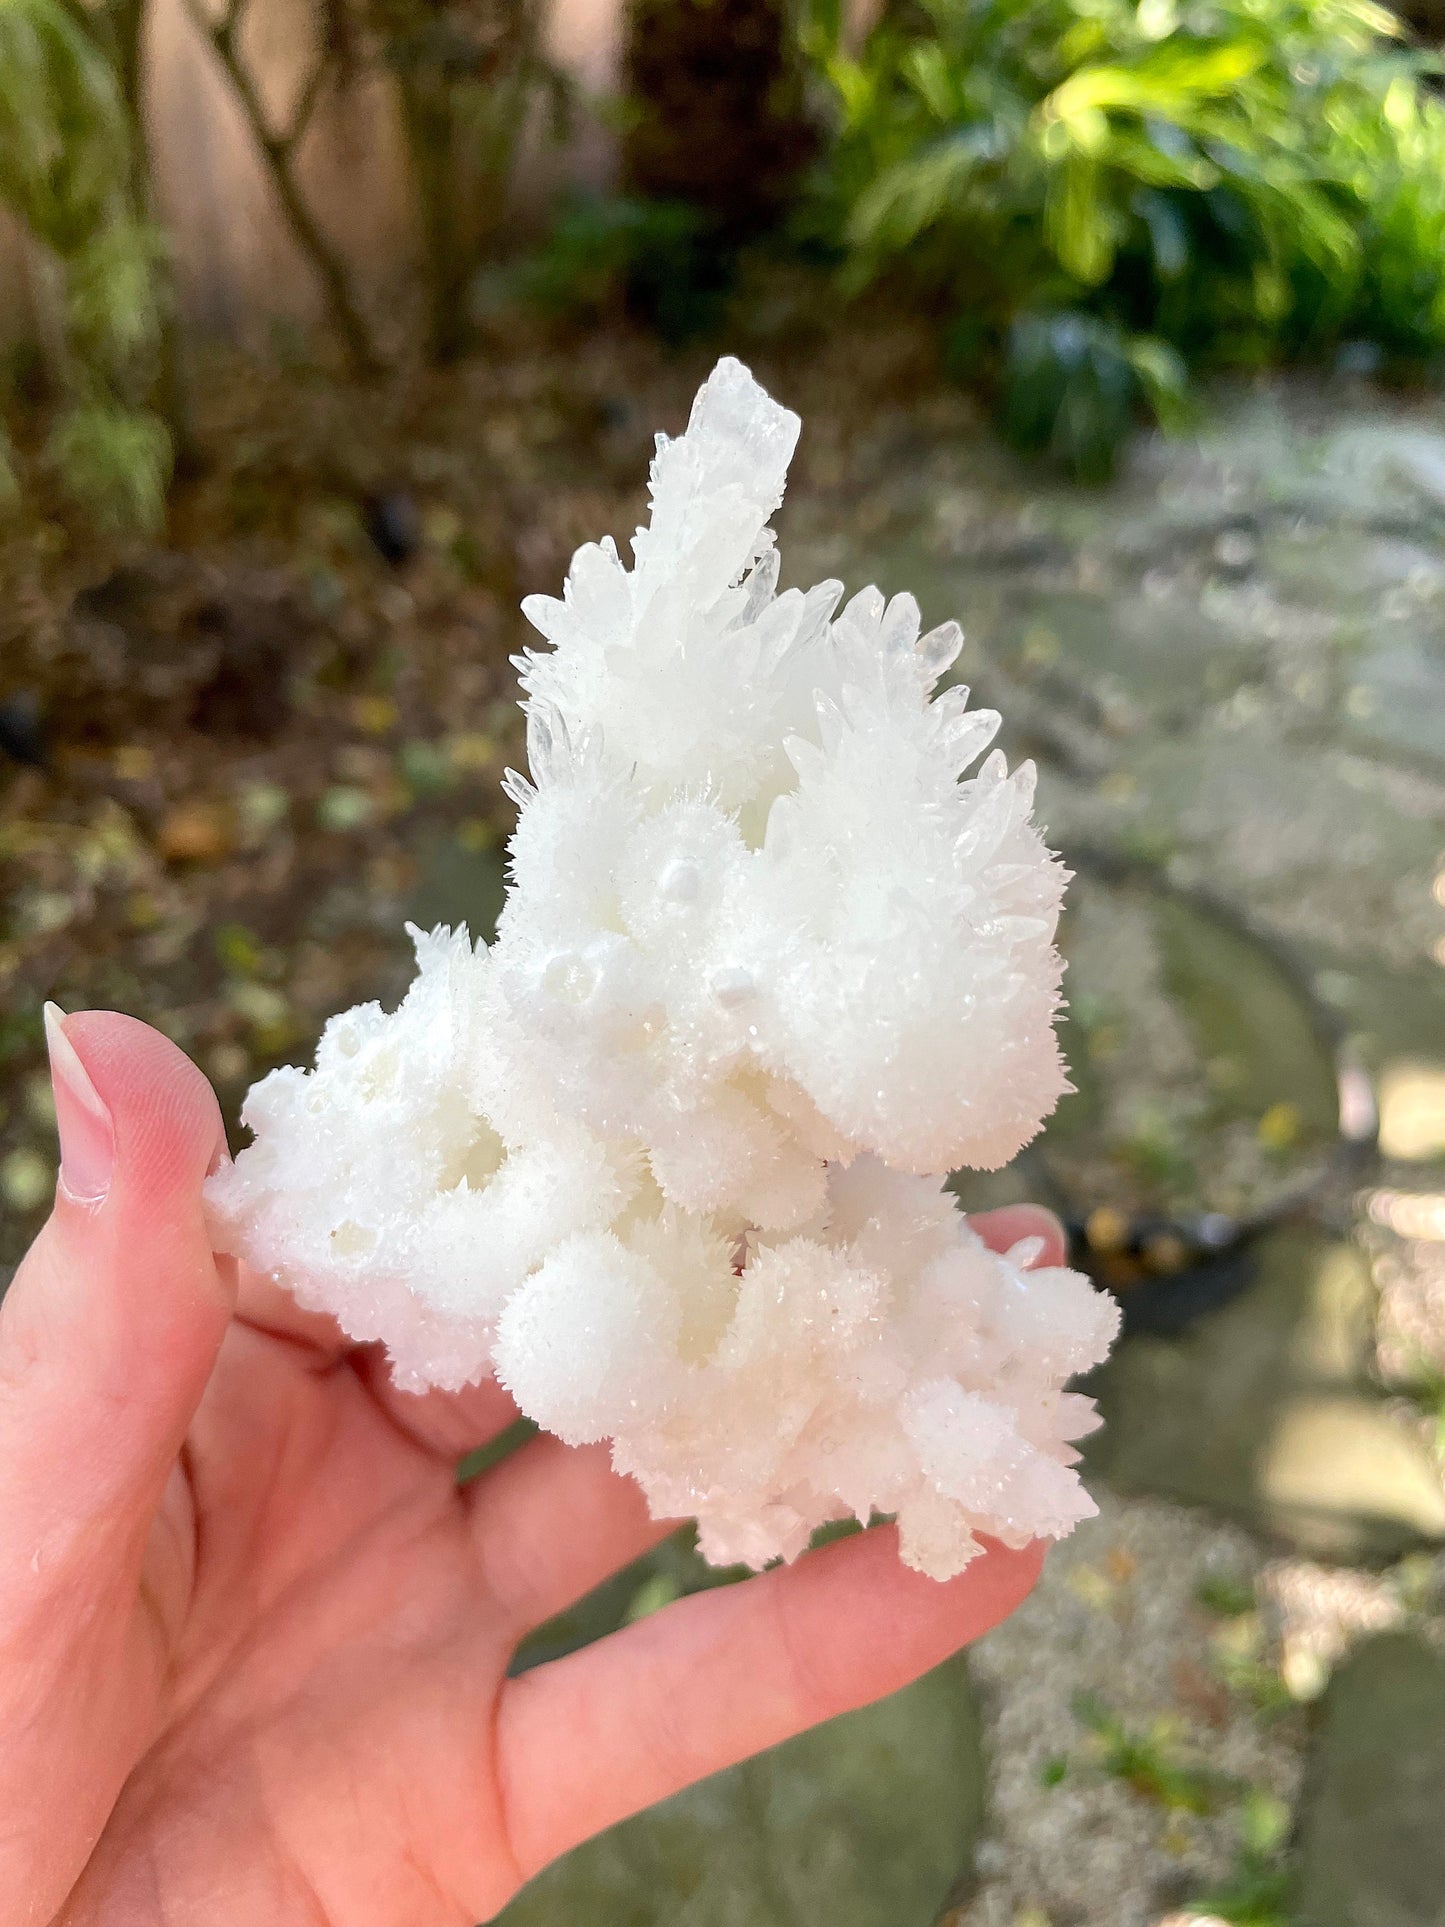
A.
pixel 665 1156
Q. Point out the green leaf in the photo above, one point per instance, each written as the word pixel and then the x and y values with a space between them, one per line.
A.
pixel 1167 80
pixel 112 293
pixel 1081 227
pixel 918 194
pixel 63 136
pixel 65 176
pixel 927 68
pixel 1255 178
pixel 9 480
pixel 116 462
pixel 1163 382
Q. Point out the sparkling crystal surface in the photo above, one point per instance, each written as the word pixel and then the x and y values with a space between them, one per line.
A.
pixel 778 951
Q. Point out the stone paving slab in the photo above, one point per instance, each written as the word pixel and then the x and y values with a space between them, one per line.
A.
pixel 1373 1835
pixel 1266 1411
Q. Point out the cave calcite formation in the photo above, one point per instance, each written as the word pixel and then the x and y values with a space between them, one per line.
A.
pixel 777 952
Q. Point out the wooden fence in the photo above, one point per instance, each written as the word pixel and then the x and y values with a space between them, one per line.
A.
pixel 238 270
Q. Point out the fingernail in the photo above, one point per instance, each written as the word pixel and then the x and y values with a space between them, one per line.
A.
pixel 87 1136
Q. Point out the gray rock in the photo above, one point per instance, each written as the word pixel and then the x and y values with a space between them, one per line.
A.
pixel 1264 1411
pixel 1372 1842
pixel 458 886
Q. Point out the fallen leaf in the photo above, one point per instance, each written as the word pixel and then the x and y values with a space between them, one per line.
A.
pixel 196 832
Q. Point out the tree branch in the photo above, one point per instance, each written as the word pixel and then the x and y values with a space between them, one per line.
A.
pixel 306 101
pixel 278 153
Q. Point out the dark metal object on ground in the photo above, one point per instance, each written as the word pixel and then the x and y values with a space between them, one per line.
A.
pixel 393 526
pixel 1167 1272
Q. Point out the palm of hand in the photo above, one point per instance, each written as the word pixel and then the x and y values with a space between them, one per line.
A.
pixel 336 1620
pixel 277 1687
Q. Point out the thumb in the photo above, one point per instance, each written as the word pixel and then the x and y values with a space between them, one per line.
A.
pixel 112 1324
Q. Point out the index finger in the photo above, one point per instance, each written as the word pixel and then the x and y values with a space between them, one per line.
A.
pixel 586 1740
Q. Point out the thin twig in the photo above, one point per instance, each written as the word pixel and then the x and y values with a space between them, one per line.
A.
pixel 226 27
pixel 278 152
pixel 305 106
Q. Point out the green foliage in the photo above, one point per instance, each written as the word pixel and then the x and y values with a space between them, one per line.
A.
pixel 471 82
pixel 1261 1889
pixel 1153 1762
pixel 116 462
pixel 1074 384
pixel 1096 183
pixel 1229 1595
pixel 1425 1388
pixel 9 481
pixel 62 133
pixel 65 174
pixel 112 300
pixel 649 257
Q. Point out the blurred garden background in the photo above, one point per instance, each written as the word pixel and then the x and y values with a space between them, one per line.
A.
pixel 328 329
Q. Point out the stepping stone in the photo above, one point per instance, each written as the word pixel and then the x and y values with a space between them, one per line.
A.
pixel 1372 1845
pixel 1264 1411
pixel 457 885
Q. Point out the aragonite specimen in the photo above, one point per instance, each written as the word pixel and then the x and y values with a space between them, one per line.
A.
pixel 777 952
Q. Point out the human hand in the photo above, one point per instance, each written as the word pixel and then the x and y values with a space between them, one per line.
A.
pixel 254 1636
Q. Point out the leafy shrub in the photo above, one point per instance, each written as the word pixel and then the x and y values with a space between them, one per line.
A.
pixel 656 259
pixel 716 115
pixel 116 463
pixel 64 174
pixel 1238 180
pixel 1075 384
pixel 470 82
